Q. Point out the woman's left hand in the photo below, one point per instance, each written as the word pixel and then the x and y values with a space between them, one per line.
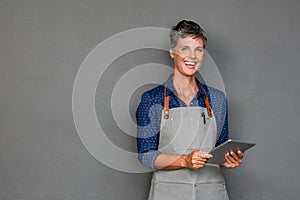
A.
pixel 233 160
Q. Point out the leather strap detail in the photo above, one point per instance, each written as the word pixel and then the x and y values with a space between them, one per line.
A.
pixel 166 104
pixel 167 107
pixel 207 104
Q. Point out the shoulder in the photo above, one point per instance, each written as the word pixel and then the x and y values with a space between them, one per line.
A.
pixel 154 95
pixel 150 106
pixel 215 94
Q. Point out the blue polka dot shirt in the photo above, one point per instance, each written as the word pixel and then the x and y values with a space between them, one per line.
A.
pixel 149 111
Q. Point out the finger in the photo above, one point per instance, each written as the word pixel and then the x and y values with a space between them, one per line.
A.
pixel 197 165
pixel 205 155
pixel 238 158
pixel 240 154
pixel 234 155
pixel 229 163
pixel 198 158
pixel 199 162
pixel 233 160
pixel 229 158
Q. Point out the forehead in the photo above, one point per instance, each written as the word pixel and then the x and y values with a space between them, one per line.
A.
pixel 190 40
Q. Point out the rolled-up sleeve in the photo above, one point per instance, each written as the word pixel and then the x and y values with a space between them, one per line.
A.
pixel 148 116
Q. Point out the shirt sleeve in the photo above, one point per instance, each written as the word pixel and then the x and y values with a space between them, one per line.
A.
pixel 220 108
pixel 224 132
pixel 148 117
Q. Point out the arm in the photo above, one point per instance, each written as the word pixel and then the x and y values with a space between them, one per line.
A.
pixel 194 160
pixel 148 129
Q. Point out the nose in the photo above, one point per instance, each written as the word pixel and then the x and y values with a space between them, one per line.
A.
pixel 192 55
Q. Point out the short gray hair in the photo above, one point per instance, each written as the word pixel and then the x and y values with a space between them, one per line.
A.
pixel 185 28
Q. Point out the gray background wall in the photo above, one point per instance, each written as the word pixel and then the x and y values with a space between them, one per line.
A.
pixel 255 44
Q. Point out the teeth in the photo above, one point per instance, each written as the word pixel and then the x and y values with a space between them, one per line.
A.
pixel 190 63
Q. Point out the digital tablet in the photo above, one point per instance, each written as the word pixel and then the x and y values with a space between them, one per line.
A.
pixel 230 145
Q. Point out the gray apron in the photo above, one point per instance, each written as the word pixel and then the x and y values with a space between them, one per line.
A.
pixel 188 129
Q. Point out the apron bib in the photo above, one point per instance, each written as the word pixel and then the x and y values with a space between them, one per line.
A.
pixel 183 131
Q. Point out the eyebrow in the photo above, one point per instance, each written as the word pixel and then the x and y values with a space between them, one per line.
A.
pixel 189 46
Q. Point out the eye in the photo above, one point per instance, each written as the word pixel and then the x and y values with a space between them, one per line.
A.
pixel 199 50
pixel 184 48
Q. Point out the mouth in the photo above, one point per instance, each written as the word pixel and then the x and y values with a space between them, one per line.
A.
pixel 190 64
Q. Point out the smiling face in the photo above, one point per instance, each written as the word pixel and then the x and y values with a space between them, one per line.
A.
pixel 188 55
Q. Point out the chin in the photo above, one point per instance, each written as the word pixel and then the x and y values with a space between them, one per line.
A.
pixel 191 71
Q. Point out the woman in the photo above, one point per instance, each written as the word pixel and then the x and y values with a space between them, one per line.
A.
pixel 180 121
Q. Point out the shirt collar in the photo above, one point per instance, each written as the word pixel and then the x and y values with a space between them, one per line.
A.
pixel 171 89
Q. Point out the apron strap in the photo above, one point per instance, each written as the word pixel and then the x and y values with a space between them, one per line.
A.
pixel 166 104
pixel 207 104
pixel 167 100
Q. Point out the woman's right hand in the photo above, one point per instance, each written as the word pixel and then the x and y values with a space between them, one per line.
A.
pixel 197 159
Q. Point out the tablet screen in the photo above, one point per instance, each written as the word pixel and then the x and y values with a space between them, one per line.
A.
pixel 230 145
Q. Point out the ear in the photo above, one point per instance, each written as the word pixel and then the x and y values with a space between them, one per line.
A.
pixel 171 52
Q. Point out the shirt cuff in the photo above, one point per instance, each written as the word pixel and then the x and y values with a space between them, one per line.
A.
pixel 148 158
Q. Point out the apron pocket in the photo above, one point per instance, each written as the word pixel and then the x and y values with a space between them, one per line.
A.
pixel 172 191
pixel 211 191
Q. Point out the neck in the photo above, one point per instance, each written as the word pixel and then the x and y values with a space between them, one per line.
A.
pixel 184 82
pixel 185 86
